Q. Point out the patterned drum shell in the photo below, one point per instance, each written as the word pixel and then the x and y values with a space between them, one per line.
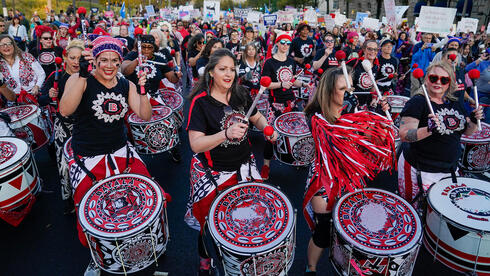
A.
pixel 124 219
pixel 397 104
pixel 175 101
pixel 398 141
pixel 253 226
pixel 28 125
pixel 376 230
pixel 457 228
pixel 18 173
pixel 68 151
pixel 303 93
pixel 158 135
pixel 476 150
pixel 295 145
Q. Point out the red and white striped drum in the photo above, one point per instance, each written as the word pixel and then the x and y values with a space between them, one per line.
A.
pixel 159 134
pixel 295 145
pixel 398 140
pixel 253 226
pixel 457 230
pixel 28 125
pixel 124 219
pixel 397 104
pixel 19 180
pixel 476 150
pixel 175 101
pixel 374 232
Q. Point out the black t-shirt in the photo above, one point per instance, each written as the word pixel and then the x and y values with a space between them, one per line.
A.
pixel 329 62
pixel 44 98
pixel 193 53
pixel 128 42
pixel 250 76
pixel 436 153
pixel 351 53
pixel 302 49
pixel 201 63
pixel 280 71
pixel 361 80
pixel 209 116
pixel 386 67
pixel 99 118
pixel 164 53
pixel 154 72
pixel 46 57
pixel 233 47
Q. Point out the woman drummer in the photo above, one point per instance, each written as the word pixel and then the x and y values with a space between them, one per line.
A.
pixel 62 125
pixel 324 113
pixel 433 142
pixel 98 101
pixel 218 136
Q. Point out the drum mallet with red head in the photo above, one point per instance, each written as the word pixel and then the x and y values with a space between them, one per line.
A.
pixel 57 63
pixel 366 64
pixel 474 74
pixel 341 56
pixel 265 81
pixel 419 74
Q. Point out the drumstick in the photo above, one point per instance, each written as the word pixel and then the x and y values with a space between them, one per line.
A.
pixel 138 32
pixel 453 57
pixel 293 79
pixel 340 56
pixel 265 81
pixel 57 62
pixel 159 63
pixel 418 74
pixel 474 74
pixel 366 64
pixel 172 53
pixel 82 12
pixel 414 66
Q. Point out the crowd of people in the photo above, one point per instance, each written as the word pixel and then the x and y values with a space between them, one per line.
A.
pixel 112 67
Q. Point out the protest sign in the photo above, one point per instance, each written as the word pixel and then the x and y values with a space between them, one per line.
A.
pixel 254 16
pixel 241 13
pixel 370 23
pixel 150 10
pixel 360 16
pixel 211 10
pixel 109 14
pixel 285 17
pixel 436 20
pixel 399 11
pixel 340 19
pixel 390 10
pixel 184 15
pixel 467 25
pixel 488 28
pixel 329 23
pixel 311 17
pixel 270 19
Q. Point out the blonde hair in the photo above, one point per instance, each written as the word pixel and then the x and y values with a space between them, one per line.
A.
pixel 75 43
pixel 161 37
pixel 449 94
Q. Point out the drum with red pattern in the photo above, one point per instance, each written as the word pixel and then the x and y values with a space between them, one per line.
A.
pixel 397 104
pixel 476 151
pixel 253 226
pixel 374 232
pixel 159 134
pixel 398 141
pixel 175 101
pixel 457 230
pixel 295 145
pixel 19 179
pixel 28 125
pixel 125 222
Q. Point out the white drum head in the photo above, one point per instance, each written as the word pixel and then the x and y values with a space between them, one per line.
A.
pixel 120 206
pixel 11 151
pixel 292 124
pixel 173 99
pixel 397 102
pixel 19 115
pixel 479 137
pixel 466 203
pixel 158 113
pixel 251 218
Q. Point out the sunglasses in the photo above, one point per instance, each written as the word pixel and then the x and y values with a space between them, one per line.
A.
pixel 435 78
pixel 329 41
pixel 147 47
pixel 285 42
pixel 46 38
pixel 200 42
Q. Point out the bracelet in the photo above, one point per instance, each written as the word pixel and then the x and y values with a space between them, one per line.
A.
pixel 281 84
pixel 226 135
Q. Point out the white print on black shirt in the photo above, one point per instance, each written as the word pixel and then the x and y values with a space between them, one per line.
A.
pixel 451 120
pixel 109 107
pixel 387 69
pixel 285 73
pixel 229 119
pixel 306 50
pixel 365 81
pixel 46 58
pixel 149 69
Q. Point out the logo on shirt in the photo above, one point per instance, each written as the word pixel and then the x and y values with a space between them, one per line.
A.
pixel 365 81
pixel 232 117
pixel 451 120
pixel 46 58
pixel 110 107
pixel 387 69
pixel 149 69
pixel 306 50
pixel 285 73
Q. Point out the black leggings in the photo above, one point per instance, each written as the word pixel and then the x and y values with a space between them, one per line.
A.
pixel 268 151
pixel 321 235
pixel 201 247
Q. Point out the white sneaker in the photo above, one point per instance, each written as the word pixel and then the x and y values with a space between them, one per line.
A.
pixel 92 269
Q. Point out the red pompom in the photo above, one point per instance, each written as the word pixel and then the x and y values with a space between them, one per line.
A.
pixel 320 71
pixel 58 60
pixel 82 10
pixel 474 74
pixel 311 46
pixel 390 76
pixel 292 80
pixel 268 131
pixel 415 65
pixel 418 73
pixel 172 52
pixel 453 57
pixel 138 31
pixel 170 64
pixel 351 41
pixel 265 81
pixel 307 66
pixel 340 55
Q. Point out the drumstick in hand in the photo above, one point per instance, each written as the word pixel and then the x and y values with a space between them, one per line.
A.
pixel 366 64
pixel 138 32
pixel 57 63
pixel 340 56
pixel 419 74
pixel 474 74
pixel 82 12
pixel 264 84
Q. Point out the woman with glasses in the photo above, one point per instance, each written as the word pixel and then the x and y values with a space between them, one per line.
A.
pixel 20 70
pixel 211 46
pixel 18 32
pixel 195 49
pixel 281 69
pixel 46 52
pixel 325 57
pixel 219 138
pixel 433 142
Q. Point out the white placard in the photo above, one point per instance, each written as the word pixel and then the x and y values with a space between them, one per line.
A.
pixel 285 17
pixel 488 28
pixel 150 10
pixel 340 19
pixel 436 20
pixel 399 11
pixel 329 23
pixel 371 23
pixel 311 17
pixel 211 10
pixel 254 17
pixel 390 10
pixel 467 25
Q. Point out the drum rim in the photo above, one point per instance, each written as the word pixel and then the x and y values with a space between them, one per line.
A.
pixel 265 248
pixel 131 122
pixel 26 153
pixel 65 153
pixel 466 140
pixel 181 105
pixel 447 219
pixel 399 97
pixel 132 232
pixel 35 110
pixel 289 134
pixel 362 248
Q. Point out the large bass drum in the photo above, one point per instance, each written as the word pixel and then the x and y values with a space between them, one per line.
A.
pixel 375 232
pixel 253 226
pixel 476 151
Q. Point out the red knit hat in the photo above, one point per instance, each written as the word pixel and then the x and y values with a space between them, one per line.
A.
pixel 282 35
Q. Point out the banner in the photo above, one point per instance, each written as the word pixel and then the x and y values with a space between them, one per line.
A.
pixel 436 20
pixel 360 16
pixel 370 23
pixel 270 19
pixel 254 16
pixel 390 10
pixel 211 10
pixel 285 17
pixel 467 25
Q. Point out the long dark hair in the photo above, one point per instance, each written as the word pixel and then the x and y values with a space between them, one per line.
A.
pixel 209 45
pixel 238 94
pixel 193 41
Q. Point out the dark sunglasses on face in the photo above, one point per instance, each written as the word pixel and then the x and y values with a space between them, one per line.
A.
pixel 435 78
pixel 329 41
pixel 47 38
pixel 285 42
pixel 200 42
